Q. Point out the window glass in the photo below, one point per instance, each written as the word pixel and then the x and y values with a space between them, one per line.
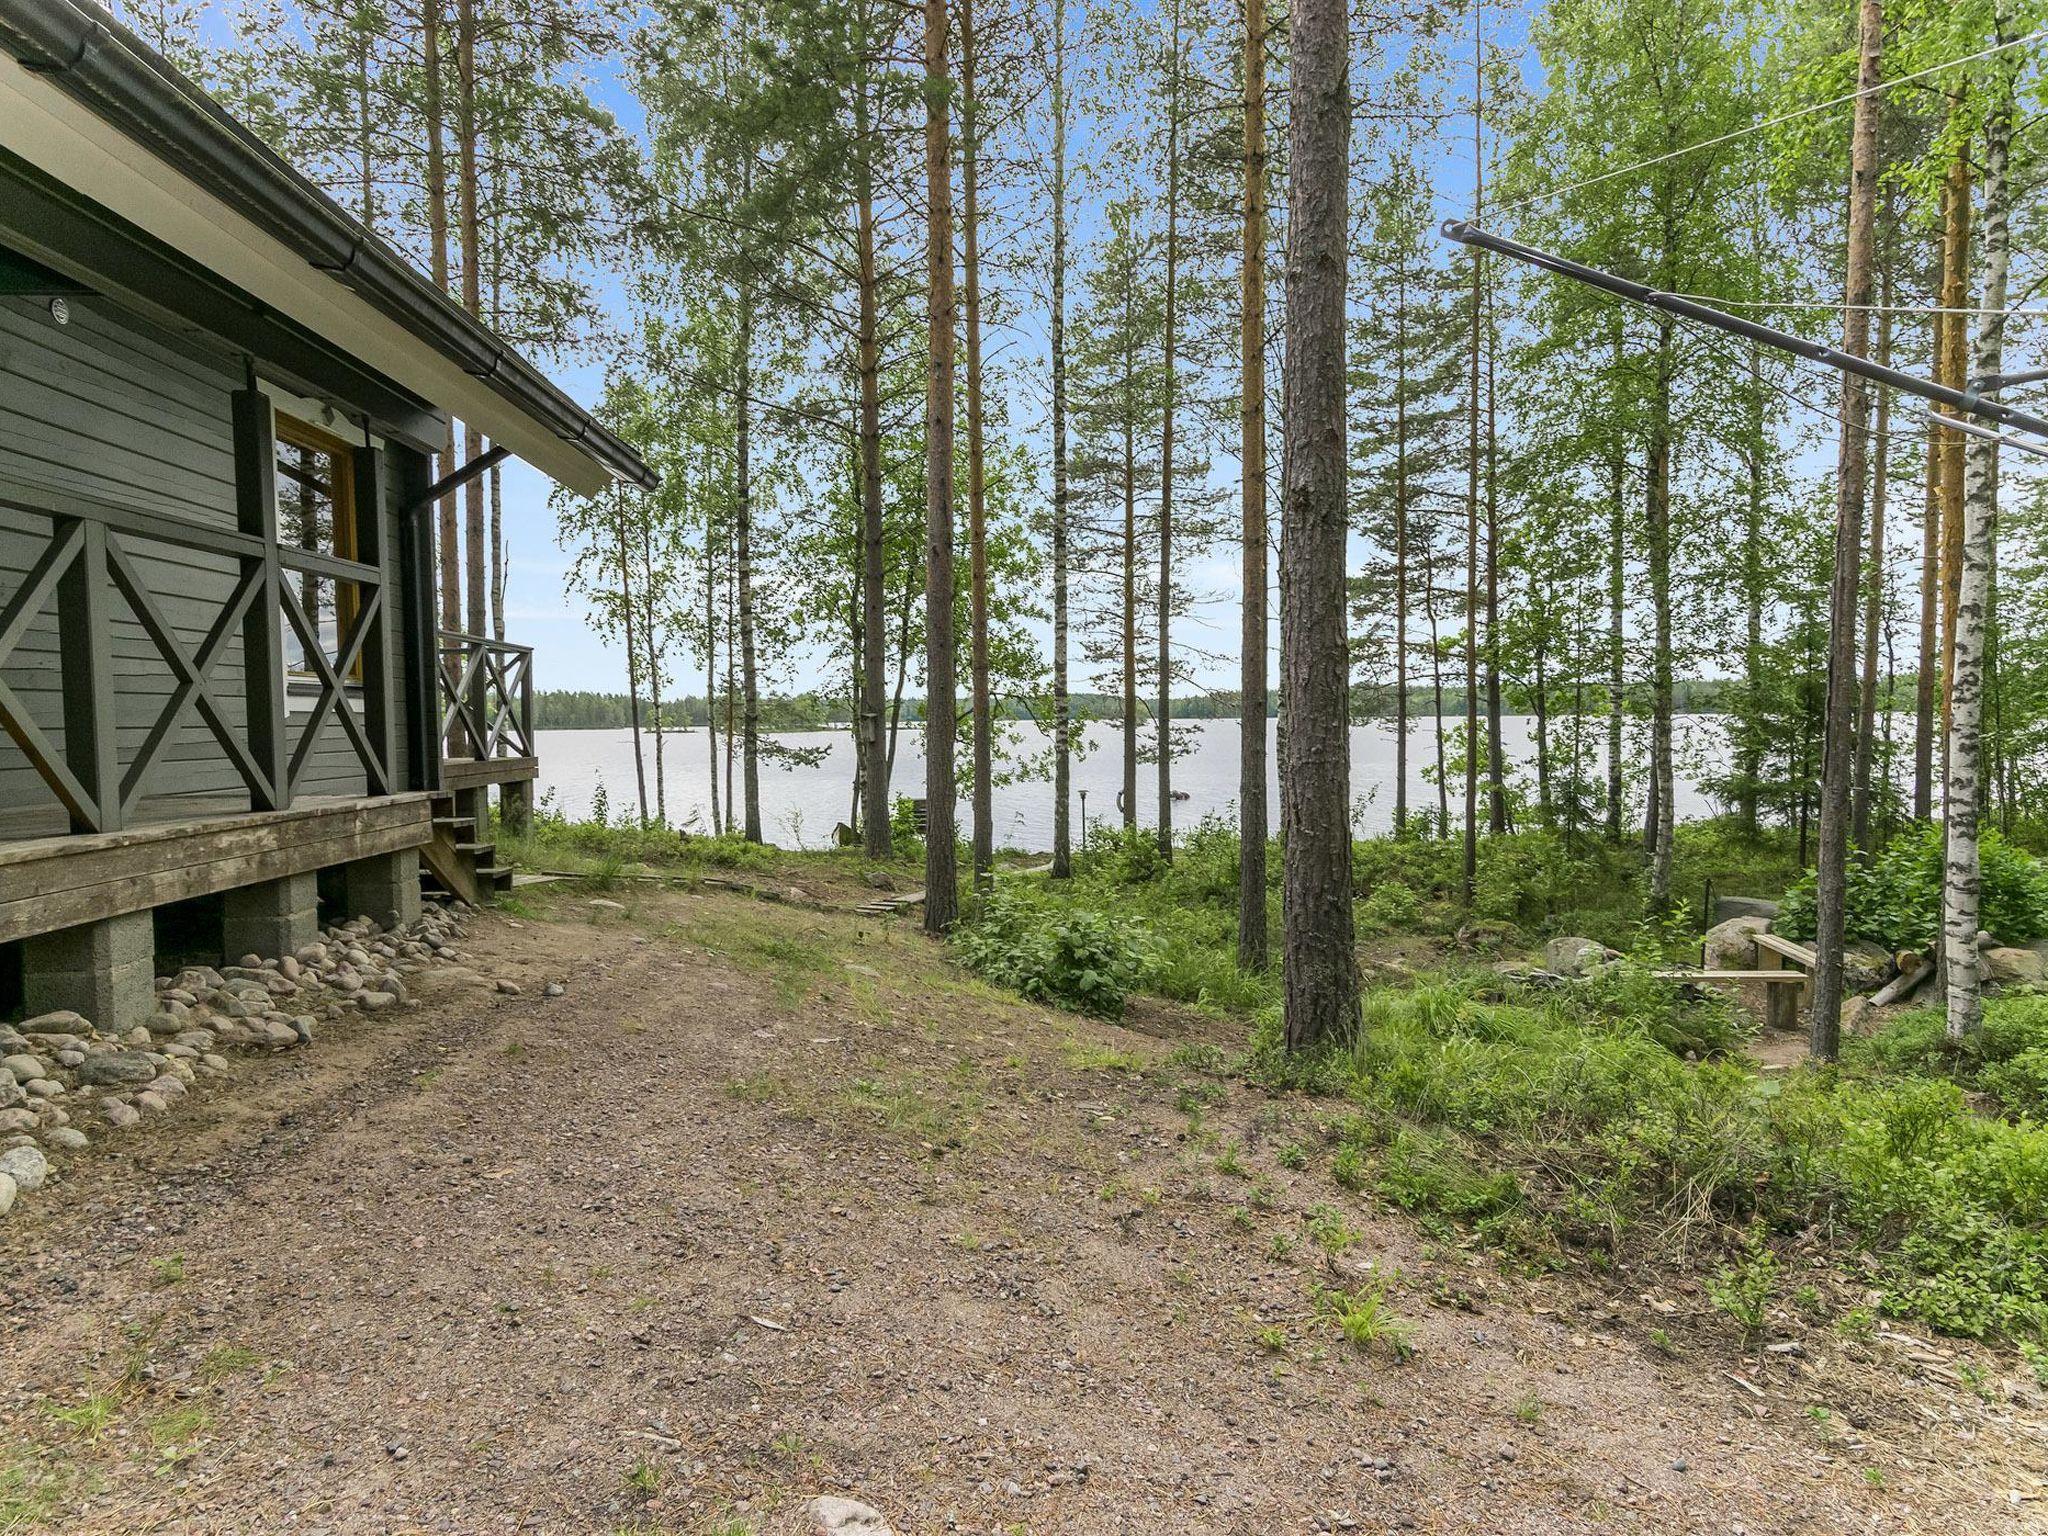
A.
pixel 316 512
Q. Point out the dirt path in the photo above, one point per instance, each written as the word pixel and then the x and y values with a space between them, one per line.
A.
pixel 773 1202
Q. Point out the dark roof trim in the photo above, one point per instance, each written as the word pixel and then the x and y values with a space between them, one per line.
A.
pixel 120 78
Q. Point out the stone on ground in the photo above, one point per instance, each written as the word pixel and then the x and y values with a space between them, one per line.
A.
pixel 830 1515
pixel 1573 956
pixel 26 1166
pixel 2015 967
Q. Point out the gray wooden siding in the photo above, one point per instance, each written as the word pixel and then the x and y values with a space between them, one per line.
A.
pixel 113 408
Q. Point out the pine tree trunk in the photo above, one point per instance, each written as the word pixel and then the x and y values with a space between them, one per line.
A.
pixel 1127 802
pixel 1164 722
pixel 876 839
pixel 1251 712
pixel 366 141
pixel 1838 743
pixel 1868 783
pixel 1436 691
pixel 743 559
pixel 650 631
pixel 1963 877
pixel 1749 762
pixel 1617 599
pixel 1401 551
pixel 477 620
pixel 711 669
pixel 447 526
pixel 732 695
pixel 1062 705
pixel 633 669
pixel 1930 614
pixel 1660 828
pixel 1470 879
pixel 983 816
pixel 941 892
pixel 1320 971
pixel 1496 764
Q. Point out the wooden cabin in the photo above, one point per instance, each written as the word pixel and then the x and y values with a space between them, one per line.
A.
pixel 229 714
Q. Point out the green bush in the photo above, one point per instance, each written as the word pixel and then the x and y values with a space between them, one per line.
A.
pixel 1392 905
pixel 1895 899
pixel 1068 956
pixel 1560 1122
pixel 2007 1058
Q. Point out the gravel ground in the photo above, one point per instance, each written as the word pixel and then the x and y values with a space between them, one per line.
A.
pixel 773 1202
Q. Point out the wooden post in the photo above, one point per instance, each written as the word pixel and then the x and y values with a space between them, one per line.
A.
pixel 91 750
pixel 262 639
pixel 413 597
pixel 380 675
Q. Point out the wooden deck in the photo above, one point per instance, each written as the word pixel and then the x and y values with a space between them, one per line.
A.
pixel 185 847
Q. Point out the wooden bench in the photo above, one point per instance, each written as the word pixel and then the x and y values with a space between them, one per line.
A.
pixel 1781 996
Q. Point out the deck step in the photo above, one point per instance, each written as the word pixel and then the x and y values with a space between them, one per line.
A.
pixel 475 848
pixel 452 822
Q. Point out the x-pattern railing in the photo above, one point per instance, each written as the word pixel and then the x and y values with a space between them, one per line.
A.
pixel 486 697
pixel 88 556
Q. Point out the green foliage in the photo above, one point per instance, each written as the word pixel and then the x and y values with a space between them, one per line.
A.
pixel 1069 956
pixel 1562 1123
pixel 2007 1059
pixel 1365 1319
pixel 1895 899
pixel 1392 905
pixel 1744 1289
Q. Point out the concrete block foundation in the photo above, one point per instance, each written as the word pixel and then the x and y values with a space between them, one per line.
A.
pixel 276 917
pixel 385 889
pixel 105 970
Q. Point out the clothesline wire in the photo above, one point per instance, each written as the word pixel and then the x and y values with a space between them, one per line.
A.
pixel 1772 122
pixel 1833 305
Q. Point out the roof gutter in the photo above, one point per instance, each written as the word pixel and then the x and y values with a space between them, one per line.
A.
pixel 82 50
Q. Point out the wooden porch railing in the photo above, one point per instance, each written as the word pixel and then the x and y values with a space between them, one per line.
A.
pixel 91 560
pixel 486 697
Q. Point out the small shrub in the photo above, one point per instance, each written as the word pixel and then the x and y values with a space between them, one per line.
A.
pixel 1744 1289
pixel 1068 956
pixel 1365 1318
pixel 1391 906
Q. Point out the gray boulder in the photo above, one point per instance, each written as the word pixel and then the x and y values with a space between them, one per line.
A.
pixel 2015 967
pixel 26 1166
pixel 1731 945
pixel 1573 956
pixel 1726 907
pixel 116 1069
pixel 6 1194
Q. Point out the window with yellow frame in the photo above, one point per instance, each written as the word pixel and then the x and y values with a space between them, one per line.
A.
pixel 316 510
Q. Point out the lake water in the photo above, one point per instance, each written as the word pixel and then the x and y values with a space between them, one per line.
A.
pixel 801 805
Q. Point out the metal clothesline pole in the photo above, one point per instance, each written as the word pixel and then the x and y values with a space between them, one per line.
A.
pixel 1968 402
pixel 1971 429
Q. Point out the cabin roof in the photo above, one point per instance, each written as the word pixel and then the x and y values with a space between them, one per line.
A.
pixel 88 104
